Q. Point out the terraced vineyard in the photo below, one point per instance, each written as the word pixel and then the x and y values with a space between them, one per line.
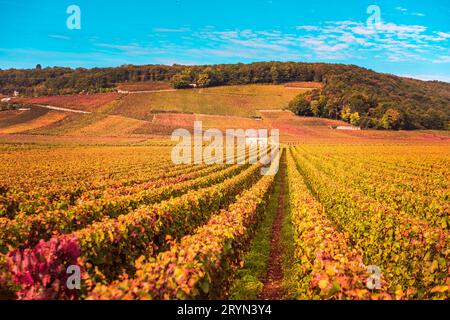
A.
pixel 140 227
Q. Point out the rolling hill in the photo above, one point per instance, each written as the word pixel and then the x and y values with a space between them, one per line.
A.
pixel 382 101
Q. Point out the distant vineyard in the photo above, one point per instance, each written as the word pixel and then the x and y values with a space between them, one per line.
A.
pixel 85 102
pixel 144 86
pixel 244 100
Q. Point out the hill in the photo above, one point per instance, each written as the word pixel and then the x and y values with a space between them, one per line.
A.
pixel 374 100
pixel 243 100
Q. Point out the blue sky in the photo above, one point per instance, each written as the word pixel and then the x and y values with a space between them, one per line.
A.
pixel 412 38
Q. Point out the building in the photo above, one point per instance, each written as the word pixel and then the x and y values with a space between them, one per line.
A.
pixel 255 140
pixel 348 128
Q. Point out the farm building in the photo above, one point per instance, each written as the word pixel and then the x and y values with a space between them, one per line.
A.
pixel 254 139
pixel 348 128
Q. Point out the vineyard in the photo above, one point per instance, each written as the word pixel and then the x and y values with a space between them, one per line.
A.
pixel 225 160
pixel 140 227
pixel 352 210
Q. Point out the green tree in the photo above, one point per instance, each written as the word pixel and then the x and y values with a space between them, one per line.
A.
pixel 355 119
pixel 275 74
pixel 433 119
pixel 203 80
pixel 392 119
pixel 315 108
pixel 346 113
pixel 206 78
pixel 300 106
pixel 182 80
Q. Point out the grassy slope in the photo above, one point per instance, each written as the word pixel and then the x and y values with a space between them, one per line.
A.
pixel 72 123
pixel 16 117
pixel 42 121
pixel 110 126
pixel 85 102
pixel 242 101
pixel 144 86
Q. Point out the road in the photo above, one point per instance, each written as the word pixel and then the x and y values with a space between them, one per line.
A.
pixel 147 91
pixel 62 109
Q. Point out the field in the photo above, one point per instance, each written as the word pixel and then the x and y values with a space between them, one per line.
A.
pixel 85 102
pixel 306 85
pixel 242 101
pixel 350 214
pixel 141 215
pixel 144 86
pixel 158 113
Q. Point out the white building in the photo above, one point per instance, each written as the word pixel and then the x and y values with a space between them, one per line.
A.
pixel 254 140
pixel 348 128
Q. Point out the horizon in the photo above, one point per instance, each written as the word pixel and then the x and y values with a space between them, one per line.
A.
pixel 245 63
pixel 406 39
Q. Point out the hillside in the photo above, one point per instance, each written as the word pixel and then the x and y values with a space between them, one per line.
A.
pixel 381 100
pixel 243 100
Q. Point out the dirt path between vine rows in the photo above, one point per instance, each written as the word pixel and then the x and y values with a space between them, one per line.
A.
pixel 273 284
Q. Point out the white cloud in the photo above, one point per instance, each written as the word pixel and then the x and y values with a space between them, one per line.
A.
pixel 307 28
pixel 363 30
pixel 269 34
pixel 171 30
pixel 400 29
pixel 331 40
pixel 321 45
pixel 401 9
pixel 57 36
pixel 443 34
pixel 258 43
pixel 405 11
pixel 429 77
pixel 118 47
pixel 135 49
pixel 442 59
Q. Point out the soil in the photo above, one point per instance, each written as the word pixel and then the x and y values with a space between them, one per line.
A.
pixel 273 284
